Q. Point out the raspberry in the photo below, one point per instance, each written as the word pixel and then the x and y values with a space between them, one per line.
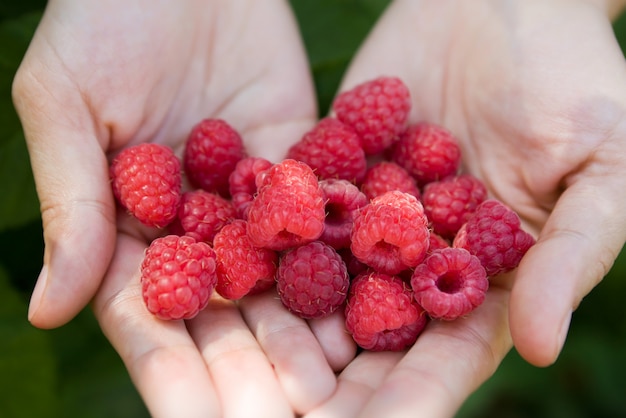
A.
pixel 386 176
pixel 177 277
pixel 450 283
pixel 288 209
pixel 343 199
pixel 242 269
pixel 202 214
pixel 391 233
pixel 312 280
pixel 449 203
pixel 212 150
pixel 242 183
pixel 437 242
pixel 428 151
pixel 377 110
pixel 494 235
pixel 333 150
pixel 381 313
pixel 146 179
pixel 355 267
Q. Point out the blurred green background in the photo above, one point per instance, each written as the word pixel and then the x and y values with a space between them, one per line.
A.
pixel 73 371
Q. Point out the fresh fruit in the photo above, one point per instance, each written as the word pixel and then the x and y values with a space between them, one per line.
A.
pixel 428 152
pixel 312 280
pixel 288 209
pixel 202 214
pixel 342 201
pixel 333 150
pixel 177 277
pixel 449 203
pixel 450 283
pixel 212 150
pixel 386 176
pixel 494 235
pixel 146 180
pixel 242 269
pixel 378 110
pixel 391 234
pixel 242 183
pixel 381 314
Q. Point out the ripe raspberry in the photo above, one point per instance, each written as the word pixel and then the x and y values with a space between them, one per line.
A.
pixel 450 283
pixel 146 179
pixel 355 267
pixel 494 235
pixel 242 269
pixel 386 176
pixel 377 110
pixel 242 183
pixel 202 214
pixel 428 151
pixel 212 150
pixel 343 199
pixel 390 234
pixel 333 150
pixel 177 277
pixel 312 280
pixel 437 242
pixel 449 203
pixel 381 313
pixel 288 209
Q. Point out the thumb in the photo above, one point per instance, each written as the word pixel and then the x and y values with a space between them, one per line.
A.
pixel 577 247
pixel 77 207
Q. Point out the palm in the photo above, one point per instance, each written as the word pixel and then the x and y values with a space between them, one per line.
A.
pixel 543 136
pixel 150 76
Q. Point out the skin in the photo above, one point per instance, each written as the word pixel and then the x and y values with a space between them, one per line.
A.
pixel 535 93
pixel 536 101
pixel 89 86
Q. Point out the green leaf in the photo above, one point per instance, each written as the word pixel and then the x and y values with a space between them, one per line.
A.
pixel 19 201
pixel 27 366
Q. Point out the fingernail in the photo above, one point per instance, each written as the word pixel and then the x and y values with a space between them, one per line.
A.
pixel 35 299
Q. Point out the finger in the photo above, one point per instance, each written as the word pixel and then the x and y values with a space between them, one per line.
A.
pixel 161 357
pixel 575 250
pixel 299 361
pixel 447 363
pixel 78 212
pixel 245 381
pixel 356 384
pixel 336 343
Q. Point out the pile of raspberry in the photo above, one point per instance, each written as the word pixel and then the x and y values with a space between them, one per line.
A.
pixel 366 214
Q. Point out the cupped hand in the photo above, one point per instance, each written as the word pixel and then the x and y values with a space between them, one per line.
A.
pixel 101 76
pixel 536 93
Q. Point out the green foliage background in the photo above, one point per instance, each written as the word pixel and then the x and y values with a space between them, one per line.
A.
pixel 73 371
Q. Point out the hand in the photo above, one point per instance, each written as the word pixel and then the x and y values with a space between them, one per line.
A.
pixel 102 76
pixel 535 92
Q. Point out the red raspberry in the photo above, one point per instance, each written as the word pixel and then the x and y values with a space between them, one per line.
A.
pixel 494 235
pixel 355 267
pixel 450 283
pixel 390 234
pixel 202 214
pixel 312 280
pixel 288 209
pixel 242 183
pixel 146 179
pixel 449 203
pixel 343 199
pixel 377 110
pixel 437 242
pixel 212 150
pixel 381 313
pixel 242 269
pixel 177 277
pixel 386 176
pixel 428 151
pixel 333 150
